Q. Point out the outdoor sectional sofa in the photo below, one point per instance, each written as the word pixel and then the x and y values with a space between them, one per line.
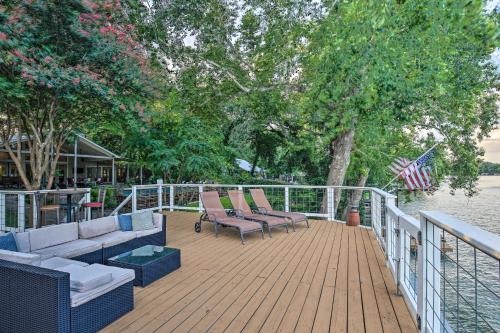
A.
pixel 93 241
pixel 36 292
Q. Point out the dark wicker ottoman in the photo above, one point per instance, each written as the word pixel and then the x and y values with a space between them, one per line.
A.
pixel 150 262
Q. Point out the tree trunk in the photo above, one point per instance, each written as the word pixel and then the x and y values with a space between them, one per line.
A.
pixel 341 156
pixel 39 138
pixel 19 162
pixel 53 162
pixel 356 195
pixel 255 161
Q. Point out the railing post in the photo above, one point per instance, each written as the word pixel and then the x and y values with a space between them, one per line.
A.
pixel 330 202
pixel 287 199
pixel 88 210
pixel 429 281
pixel 397 254
pixel 34 209
pixel 160 194
pixel 200 204
pixel 21 212
pixel 134 199
pixel 372 211
pixel 171 198
pixel 389 226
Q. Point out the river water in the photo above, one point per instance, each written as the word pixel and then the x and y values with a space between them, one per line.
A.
pixel 482 210
pixel 461 292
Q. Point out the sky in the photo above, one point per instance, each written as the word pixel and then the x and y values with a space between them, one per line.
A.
pixel 491 146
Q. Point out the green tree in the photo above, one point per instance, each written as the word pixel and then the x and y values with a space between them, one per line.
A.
pixel 64 64
pixel 400 66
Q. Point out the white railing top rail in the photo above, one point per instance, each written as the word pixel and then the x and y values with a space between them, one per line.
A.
pixel 407 222
pixel 377 190
pixel 62 191
pixel 483 240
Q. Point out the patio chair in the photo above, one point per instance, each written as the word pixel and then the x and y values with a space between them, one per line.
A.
pixel 215 213
pixel 242 209
pixel 264 207
pixel 101 197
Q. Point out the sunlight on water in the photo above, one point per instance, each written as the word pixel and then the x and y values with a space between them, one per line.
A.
pixel 482 210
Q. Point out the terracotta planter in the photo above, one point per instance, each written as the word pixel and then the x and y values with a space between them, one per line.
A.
pixel 353 218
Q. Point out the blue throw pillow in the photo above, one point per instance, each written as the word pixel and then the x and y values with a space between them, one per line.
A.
pixel 8 242
pixel 125 222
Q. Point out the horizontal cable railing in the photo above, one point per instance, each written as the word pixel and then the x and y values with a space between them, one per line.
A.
pixel 327 202
pixel 459 275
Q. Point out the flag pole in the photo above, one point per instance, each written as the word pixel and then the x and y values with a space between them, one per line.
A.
pixel 396 177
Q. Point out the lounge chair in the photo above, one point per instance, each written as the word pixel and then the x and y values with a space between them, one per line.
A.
pixel 242 209
pixel 215 213
pixel 264 207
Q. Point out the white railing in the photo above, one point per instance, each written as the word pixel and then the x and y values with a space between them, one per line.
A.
pixel 447 271
pixel 19 209
pixel 313 201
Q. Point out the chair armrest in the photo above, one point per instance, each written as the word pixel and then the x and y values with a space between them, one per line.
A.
pixel 262 210
pixel 38 299
pixel 21 257
pixel 238 213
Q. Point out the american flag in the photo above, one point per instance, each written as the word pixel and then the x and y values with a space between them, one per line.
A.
pixel 399 165
pixel 416 175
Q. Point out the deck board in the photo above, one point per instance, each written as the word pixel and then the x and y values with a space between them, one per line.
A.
pixel 329 277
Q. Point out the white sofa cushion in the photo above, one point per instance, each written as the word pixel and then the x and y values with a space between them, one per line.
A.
pixel 148 232
pixel 97 227
pixel 53 235
pixel 120 277
pixel 142 221
pixel 83 279
pixel 70 249
pixel 20 257
pixel 23 241
pixel 158 220
pixel 114 238
pixel 56 262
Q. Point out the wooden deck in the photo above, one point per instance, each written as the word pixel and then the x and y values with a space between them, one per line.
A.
pixel 328 278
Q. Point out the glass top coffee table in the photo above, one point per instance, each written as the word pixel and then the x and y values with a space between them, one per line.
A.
pixel 149 262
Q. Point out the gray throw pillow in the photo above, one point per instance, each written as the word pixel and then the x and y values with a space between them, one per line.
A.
pixel 142 221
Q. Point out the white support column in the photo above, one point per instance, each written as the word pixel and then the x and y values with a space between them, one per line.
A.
pixel 160 194
pixel 287 199
pixel 3 210
pixel 21 212
pixel 67 171
pixel 171 198
pixel 134 199
pixel 75 162
pixel 113 172
pixel 200 204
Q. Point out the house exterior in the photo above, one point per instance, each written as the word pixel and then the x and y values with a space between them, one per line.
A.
pixel 83 162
